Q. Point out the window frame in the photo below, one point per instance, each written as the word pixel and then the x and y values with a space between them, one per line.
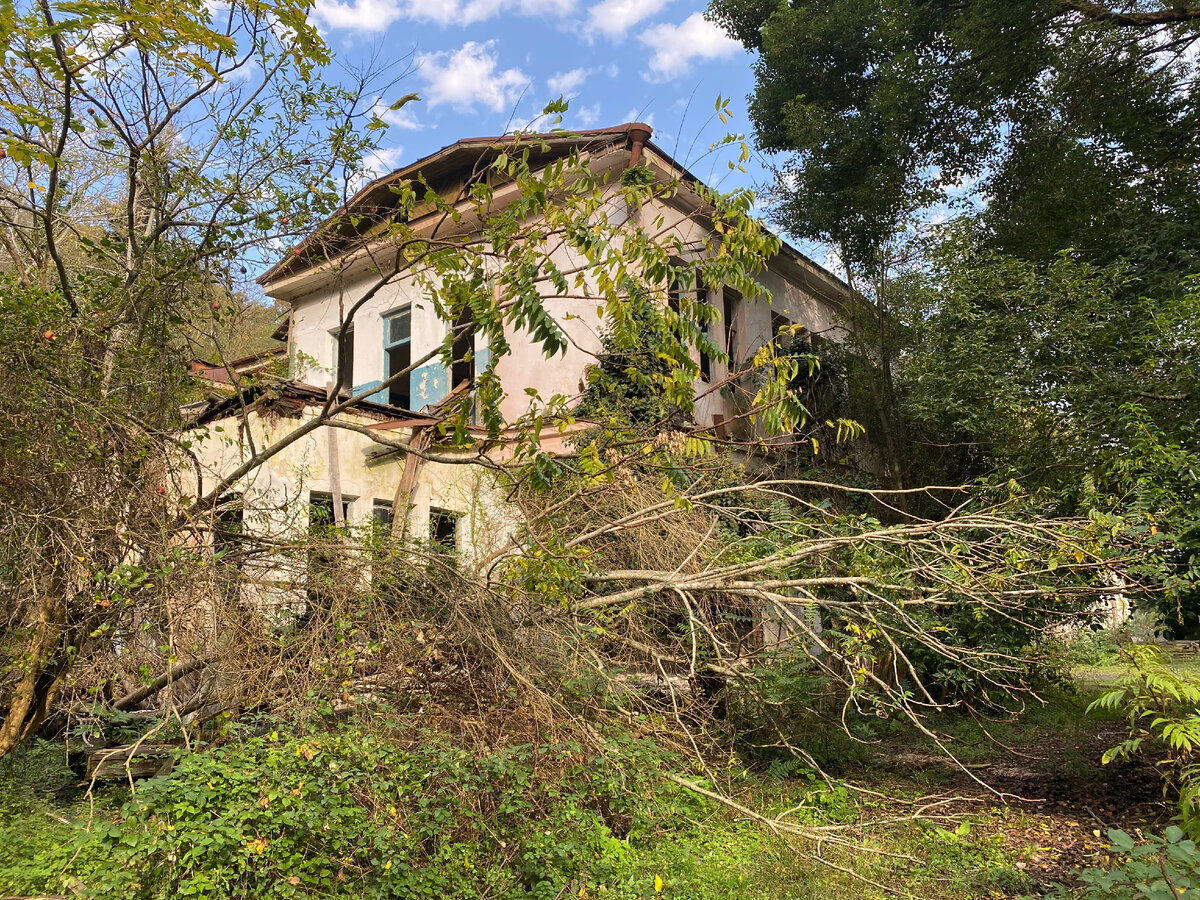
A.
pixel 388 347
pixel 347 504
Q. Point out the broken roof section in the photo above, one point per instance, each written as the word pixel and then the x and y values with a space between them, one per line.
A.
pixel 292 398
pixel 467 157
pixel 465 161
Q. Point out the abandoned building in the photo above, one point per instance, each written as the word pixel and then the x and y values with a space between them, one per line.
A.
pixel 342 473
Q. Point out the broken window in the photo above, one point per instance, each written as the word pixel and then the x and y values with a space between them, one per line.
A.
pixel 678 286
pixel 778 322
pixel 443 528
pixel 321 515
pixel 732 305
pixel 382 516
pixel 397 356
pixel 705 362
pixel 228 525
pixel 463 367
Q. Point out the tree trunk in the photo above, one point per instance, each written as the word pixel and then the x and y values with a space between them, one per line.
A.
pixel 30 700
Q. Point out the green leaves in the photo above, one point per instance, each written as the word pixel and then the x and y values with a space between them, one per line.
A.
pixel 1053 120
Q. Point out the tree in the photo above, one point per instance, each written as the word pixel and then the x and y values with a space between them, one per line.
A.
pixel 197 173
pixel 145 158
pixel 1075 122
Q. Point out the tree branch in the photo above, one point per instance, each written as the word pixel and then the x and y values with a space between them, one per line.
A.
pixel 1097 12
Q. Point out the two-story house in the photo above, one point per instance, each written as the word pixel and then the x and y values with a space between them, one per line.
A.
pixel 342 470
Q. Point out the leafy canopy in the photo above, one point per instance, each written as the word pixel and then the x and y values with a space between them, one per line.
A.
pixel 1077 124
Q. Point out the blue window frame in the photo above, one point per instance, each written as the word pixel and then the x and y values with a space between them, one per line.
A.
pixel 397 355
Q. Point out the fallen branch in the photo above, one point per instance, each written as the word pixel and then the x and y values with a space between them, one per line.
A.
pixel 177 671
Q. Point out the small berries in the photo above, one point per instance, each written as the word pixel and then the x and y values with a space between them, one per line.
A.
pixel 160 490
pixel 48 334
pixel 283 220
pixel 216 305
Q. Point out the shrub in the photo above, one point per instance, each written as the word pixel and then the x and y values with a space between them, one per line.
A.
pixel 1165 868
pixel 351 813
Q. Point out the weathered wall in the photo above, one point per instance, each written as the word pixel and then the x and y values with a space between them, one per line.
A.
pixel 276 495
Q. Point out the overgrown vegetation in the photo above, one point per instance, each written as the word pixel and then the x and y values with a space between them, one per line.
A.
pixel 698 668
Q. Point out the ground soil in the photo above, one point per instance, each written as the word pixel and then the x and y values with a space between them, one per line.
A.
pixel 1054 800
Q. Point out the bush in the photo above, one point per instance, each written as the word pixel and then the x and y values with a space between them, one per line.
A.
pixel 351 813
pixel 1165 868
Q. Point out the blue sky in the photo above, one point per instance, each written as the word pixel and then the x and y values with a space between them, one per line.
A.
pixel 483 67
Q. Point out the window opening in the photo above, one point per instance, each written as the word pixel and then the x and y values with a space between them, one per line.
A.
pixel 382 515
pixel 443 527
pixel 778 321
pixel 228 523
pixel 397 353
pixel 463 366
pixel 732 302
pixel 321 510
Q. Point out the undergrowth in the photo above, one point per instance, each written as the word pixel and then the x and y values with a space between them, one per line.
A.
pixel 366 810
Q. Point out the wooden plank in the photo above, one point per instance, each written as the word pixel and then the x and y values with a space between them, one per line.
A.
pixel 131 760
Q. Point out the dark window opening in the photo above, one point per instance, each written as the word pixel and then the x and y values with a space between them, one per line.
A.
pixel 705 362
pixel 228 524
pixel 732 303
pixel 675 289
pixel 382 515
pixel 778 322
pixel 443 527
pixel 397 351
pixel 321 515
pixel 463 366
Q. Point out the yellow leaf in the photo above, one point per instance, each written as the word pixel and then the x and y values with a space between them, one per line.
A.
pixel 658 884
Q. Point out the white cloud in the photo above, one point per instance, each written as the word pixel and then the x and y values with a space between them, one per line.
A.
pixel 615 17
pixel 383 160
pixel 357 15
pixel 377 15
pixel 587 115
pixel 567 84
pixel 676 46
pixel 468 77
pixel 466 12
pixel 380 161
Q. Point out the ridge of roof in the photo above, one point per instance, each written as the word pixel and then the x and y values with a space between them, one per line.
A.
pixel 580 138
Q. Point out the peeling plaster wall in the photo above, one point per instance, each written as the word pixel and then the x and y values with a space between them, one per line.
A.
pixel 318 313
pixel 275 496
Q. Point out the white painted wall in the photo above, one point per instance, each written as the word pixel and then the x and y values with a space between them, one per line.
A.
pixel 320 311
pixel 276 495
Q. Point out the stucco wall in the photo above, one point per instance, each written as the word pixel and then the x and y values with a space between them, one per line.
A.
pixel 276 495
pixel 319 312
